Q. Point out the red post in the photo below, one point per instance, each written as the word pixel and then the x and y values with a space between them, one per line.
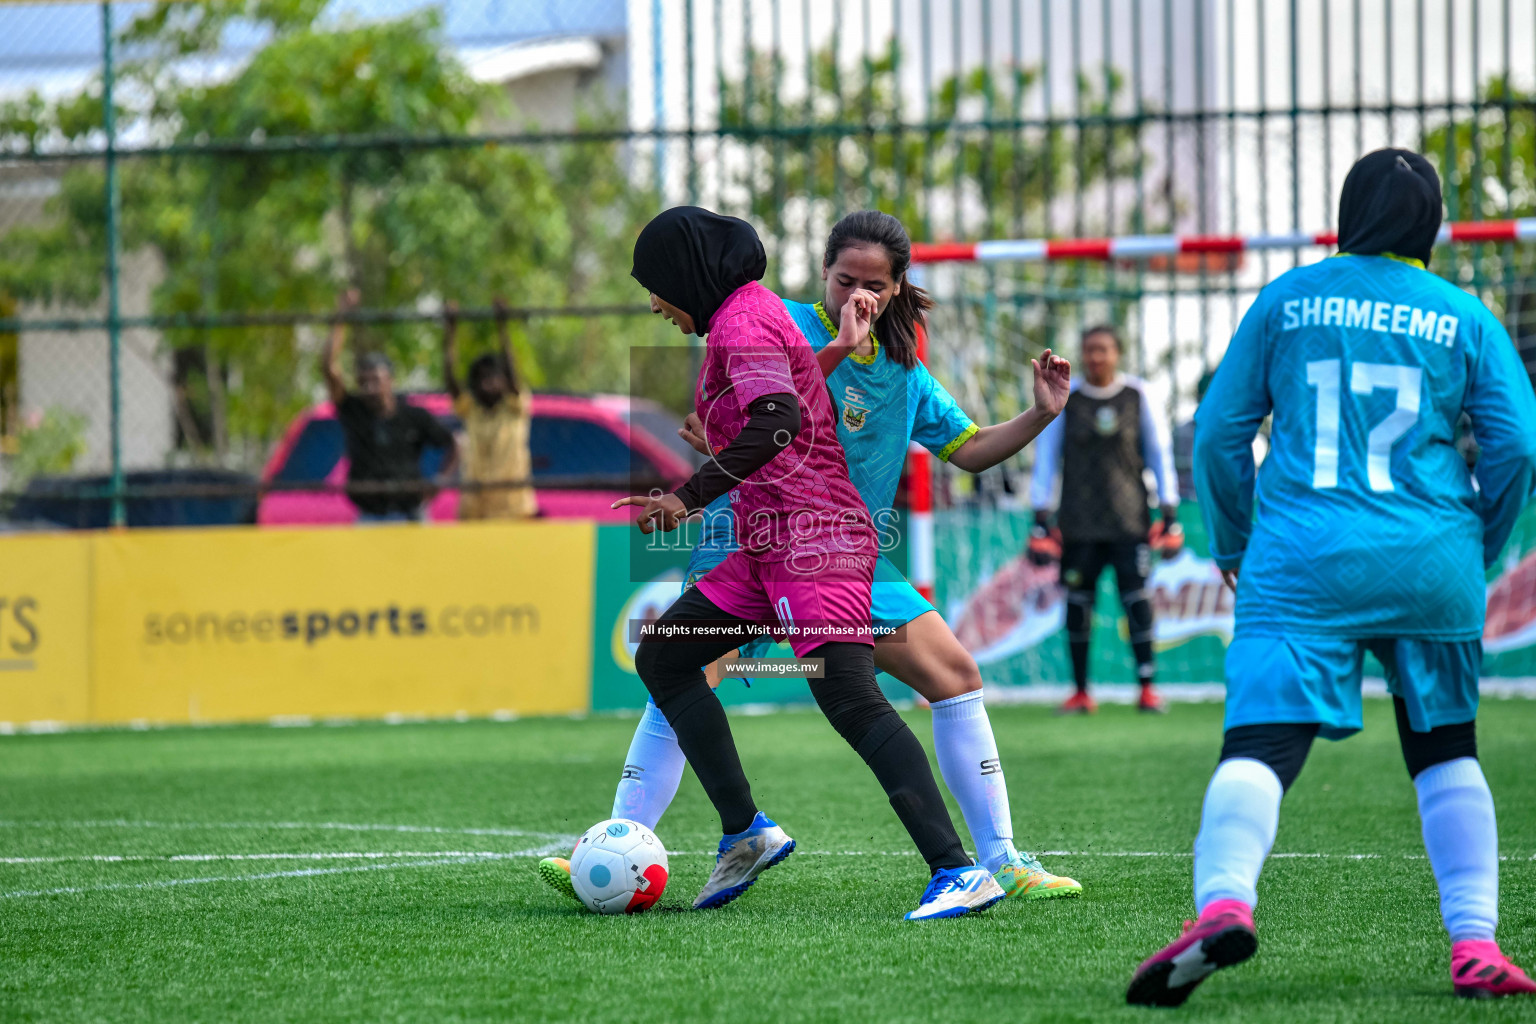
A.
pixel 920 563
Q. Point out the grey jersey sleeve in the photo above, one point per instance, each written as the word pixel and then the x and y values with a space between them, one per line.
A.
pixel 1042 481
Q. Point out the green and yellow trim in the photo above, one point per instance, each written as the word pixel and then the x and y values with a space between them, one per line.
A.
pixel 826 321
pixel 1411 261
pixel 960 439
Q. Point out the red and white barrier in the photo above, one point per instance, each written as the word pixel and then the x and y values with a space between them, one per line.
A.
pixel 1134 247
pixel 921 568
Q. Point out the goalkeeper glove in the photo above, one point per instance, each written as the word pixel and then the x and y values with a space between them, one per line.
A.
pixel 1166 537
pixel 1044 542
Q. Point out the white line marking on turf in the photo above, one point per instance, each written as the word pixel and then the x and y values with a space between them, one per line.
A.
pixel 150 858
pixel 336 826
pixel 1108 853
pixel 166 883
pixel 559 846
pixel 269 875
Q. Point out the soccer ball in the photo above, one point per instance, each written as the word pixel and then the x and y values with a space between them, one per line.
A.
pixel 619 867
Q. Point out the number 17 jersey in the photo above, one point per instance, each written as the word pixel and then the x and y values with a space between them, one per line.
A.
pixel 1369 523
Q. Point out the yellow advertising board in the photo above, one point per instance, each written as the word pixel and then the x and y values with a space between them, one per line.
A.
pixel 241 624
pixel 249 624
pixel 44 629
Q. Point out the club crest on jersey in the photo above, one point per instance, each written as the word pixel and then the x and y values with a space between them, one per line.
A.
pixel 1106 420
pixel 855 408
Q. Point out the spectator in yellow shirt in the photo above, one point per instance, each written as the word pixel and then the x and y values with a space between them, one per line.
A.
pixel 496 411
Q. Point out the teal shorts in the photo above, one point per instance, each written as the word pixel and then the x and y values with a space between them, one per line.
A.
pixel 1272 679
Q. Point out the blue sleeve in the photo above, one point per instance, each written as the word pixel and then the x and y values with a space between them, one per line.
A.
pixel 1042 481
pixel 1225 425
pixel 717 529
pixel 940 425
pixel 1157 453
pixel 1503 410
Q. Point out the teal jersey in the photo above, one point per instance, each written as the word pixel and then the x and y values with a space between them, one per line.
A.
pixel 881 407
pixel 1369 523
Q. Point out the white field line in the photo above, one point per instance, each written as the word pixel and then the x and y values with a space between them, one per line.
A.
pixel 1489 687
pixel 334 826
pixel 1109 853
pixel 468 856
pixel 268 875
pixel 390 860
pixel 556 843
pixel 179 858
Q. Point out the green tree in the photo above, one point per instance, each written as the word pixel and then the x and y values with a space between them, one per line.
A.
pixel 1487 165
pixel 857 154
pixel 283 230
pixel 961 164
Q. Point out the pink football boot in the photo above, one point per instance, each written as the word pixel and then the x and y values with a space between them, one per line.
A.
pixel 1479 970
pixel 1223 936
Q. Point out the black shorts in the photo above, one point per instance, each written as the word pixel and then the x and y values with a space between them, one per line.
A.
pixel 1083 560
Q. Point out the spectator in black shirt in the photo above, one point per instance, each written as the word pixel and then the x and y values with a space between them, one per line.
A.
pixel 385 435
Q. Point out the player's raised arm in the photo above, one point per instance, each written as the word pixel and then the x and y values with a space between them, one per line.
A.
pixel 504 340
pixel 451 348
pixel 858 317
pixel 330 364
pixel 993 444
pixel 1225 425
pixel 1503 411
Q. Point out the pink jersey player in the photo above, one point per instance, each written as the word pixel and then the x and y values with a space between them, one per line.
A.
pixel 806 559
pixel 802 504
pixel 807 544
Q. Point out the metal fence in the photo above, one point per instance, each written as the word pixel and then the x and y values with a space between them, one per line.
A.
pixel 185 186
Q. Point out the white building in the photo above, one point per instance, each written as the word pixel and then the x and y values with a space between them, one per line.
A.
pixel 1215 166
pixel 553 57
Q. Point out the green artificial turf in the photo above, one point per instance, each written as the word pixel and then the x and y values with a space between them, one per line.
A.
pixel 430 932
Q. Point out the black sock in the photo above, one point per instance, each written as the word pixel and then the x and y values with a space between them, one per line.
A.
pixel 672 671
pixel 1138 616
pixel 900 763
pixel 853 703
pixel 704 735
pixel 1079 650
pixel 1079 624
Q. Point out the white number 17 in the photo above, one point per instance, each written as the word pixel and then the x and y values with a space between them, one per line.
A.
pixel 1364 378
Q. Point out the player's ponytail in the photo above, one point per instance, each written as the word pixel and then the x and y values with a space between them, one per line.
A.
pixel 897 326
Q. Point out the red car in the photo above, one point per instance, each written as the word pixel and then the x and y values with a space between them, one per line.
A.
pixel 588 450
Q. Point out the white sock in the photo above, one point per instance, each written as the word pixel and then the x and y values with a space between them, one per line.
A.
pixel 1462 841
pixel 653 769
pixel 962 735
pixel 1237 830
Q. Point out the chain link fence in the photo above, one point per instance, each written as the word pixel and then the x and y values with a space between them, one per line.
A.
pixel 185 187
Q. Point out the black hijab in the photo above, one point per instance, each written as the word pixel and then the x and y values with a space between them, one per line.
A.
pixel 1390 203
pixel 695 259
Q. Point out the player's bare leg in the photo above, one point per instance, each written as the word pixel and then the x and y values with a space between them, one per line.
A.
pixel 928 657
